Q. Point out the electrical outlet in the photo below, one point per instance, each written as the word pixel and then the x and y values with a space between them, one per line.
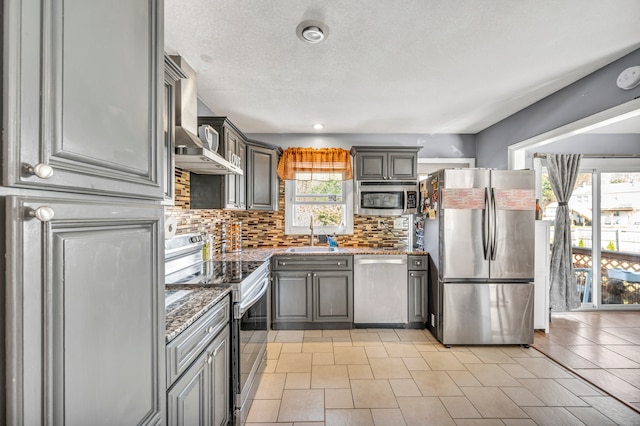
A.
pixel 380 223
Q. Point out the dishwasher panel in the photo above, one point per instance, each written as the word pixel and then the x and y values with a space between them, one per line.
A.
pixel 380 289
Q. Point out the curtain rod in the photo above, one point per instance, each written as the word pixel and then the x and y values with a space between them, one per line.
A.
pixel 543 155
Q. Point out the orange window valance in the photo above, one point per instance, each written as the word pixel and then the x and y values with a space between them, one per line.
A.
pixel 314 163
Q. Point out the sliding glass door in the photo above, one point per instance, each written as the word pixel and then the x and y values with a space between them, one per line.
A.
pixel 605 231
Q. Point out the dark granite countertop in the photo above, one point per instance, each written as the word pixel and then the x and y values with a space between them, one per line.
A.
pixel 187 309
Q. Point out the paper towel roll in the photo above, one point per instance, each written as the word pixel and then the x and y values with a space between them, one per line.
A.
pixel 170 226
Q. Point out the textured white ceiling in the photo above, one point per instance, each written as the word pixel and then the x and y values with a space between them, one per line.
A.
pixel 392 66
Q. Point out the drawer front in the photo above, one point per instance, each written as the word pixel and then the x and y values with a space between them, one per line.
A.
pixel 185 348
pixel 417 262
pixel 313 263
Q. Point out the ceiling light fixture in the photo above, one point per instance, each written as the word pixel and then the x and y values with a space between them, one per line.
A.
pixel 312 32
pixel 318 126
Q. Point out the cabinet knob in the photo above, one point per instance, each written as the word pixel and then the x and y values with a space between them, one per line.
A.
pixel 209 359
pixel 339 263
pixel 309 274
pixel 283 263
pixel 210 330
pixel 43 214
pixel 43 171
pixel 411 274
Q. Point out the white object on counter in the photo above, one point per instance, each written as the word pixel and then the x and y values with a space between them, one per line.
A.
pixel 170 226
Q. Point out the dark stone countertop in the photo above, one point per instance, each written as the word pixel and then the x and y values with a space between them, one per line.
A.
pixel 186 310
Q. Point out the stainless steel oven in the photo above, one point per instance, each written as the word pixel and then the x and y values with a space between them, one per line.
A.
pixel 386 198
pixel 250 329
pixel 249 282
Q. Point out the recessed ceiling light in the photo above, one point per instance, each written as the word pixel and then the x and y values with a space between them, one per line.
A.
pixel 318 126
pixel 312 32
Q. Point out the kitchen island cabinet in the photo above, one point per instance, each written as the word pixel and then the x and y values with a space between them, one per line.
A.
pixel 311 292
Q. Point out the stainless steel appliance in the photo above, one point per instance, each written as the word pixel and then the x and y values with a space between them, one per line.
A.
pixel 386 198
pixel 479 232
pixel 379 295
pixel 249 281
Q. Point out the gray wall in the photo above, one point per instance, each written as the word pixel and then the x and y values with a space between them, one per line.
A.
pixel 592 94
pixel 433 146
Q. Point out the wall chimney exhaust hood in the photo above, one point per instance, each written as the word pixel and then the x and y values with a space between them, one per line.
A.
pixel 191 152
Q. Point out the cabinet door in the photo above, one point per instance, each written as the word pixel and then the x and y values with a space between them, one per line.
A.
pixel 403 165
pixel 241 194
pixel 231 182
pixel 332 296
pixel 262 180
pixel 220 353
pixel 83 93
pixel 418 296
pixel 189 401
pixel 371 165
pixel 292 296
pixel 83 278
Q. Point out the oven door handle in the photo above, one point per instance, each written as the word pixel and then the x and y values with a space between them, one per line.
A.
pixel 241 308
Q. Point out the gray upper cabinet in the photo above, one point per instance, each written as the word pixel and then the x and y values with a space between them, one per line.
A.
pixel 386 163
pixel 82 96
pixel 261 178
pixel 256 189
pixel 85 325
pixel 172 73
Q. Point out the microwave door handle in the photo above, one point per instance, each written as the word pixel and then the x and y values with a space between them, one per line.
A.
pixel 406 200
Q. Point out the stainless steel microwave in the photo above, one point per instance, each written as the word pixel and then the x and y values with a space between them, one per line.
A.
pixel 386 198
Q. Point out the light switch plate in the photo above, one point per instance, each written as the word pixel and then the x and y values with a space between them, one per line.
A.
pixel 400 223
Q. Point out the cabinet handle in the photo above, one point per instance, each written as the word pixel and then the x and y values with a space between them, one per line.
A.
pixel 41 170
pixel 43 214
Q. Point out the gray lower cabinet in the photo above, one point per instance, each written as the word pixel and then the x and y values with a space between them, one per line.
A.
pixel 308 298
pixel 417 291
pixel 199 371
pixel 85 327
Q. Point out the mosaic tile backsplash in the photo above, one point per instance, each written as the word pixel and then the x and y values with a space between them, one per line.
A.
pixel 266 229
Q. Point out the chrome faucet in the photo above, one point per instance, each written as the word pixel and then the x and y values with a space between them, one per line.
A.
pixel 311 228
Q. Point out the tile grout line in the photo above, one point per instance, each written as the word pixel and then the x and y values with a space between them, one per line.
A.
pixel 636 409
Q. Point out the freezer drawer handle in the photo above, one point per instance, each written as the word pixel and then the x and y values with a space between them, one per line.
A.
pixel 380 261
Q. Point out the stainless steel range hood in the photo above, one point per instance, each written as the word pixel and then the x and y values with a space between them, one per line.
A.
pixel 191 153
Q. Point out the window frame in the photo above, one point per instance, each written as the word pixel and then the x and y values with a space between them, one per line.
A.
pixel 289 204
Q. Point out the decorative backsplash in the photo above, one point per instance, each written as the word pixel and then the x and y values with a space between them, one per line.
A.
pixel 266 229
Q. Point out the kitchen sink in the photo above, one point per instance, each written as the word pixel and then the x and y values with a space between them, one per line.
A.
pixel 314 249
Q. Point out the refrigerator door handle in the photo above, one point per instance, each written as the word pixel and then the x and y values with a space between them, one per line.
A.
pixel 485 224
pixel 494 226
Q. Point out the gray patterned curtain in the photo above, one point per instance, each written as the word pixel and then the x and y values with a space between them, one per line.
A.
pixel 563 294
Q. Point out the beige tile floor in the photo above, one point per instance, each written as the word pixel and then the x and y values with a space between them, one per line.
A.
pixel 601 347
pixel 405 377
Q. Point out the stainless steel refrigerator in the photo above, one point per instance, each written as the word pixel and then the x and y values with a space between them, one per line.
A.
pixel 479 232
